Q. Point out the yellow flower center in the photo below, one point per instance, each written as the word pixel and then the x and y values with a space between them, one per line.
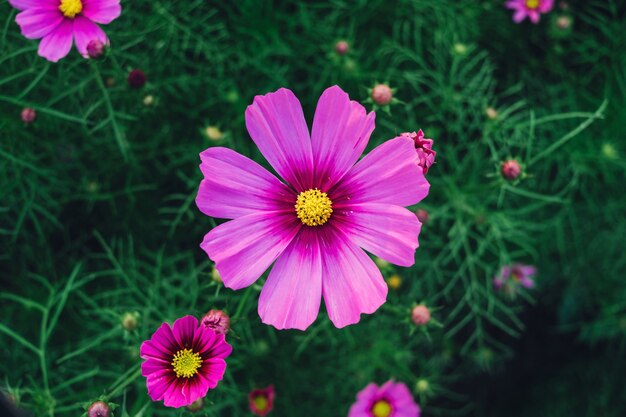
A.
pixel 313 207
pixel 260 402
pixel 532 4
pixel 381 408
pixel 70 8
pixel 186 363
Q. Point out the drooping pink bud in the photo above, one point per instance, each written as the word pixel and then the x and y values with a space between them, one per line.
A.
pixel 217 320
pixel 420 315
pixel 382 94
pixel 29 115
pixel 424 149
pixel 511 169
pixel 99 409
pixel 422 215
pixel 137 78
pixel 95 48
pixel 342 47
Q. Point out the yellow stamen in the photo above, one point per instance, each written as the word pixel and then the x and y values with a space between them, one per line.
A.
pixel 70 8
pixel 313 207
pixel 381 408
pixel 186 363
pixel 532 4
pixel 260 402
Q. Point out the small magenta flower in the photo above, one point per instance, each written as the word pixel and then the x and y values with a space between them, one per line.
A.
pixel 61 23
pixel 533 9
pixel 392 399
pixel 261 401
pixel 181 363
pixel 420 315
pixel 424 149
pixel 216 320
pixel 137 78
pixel 28 115
pixel 314 227
pixel 99 409
pixel 382 94
pixel 342 47
pixel 95 48
pixel 510 169
pixel 511 276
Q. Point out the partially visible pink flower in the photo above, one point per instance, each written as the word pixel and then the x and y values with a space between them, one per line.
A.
pixel 382 94
pixel 533 9
pixel 261 401
pixel 316 225
pixel 392 399
pixel 514 275
pixel 28 115
pixel 95 49
pixel 424 149
pixel 182 363
pixel 61 23
pixel 216 320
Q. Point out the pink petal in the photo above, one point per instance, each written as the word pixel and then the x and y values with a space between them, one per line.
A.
pixel 34 4
pixel 235 186
pixel 203 339
pixel 184 330
pixel 244 248
pixel 220 349
pixel 57 44
pixel 534 16
pixel 341 130
pixel 546 5
pixel 177 394
pixel 158 386
pixel 198 388
pixel 276 124
pixel 102 11
pixel 36 23
pixel 389 232
pixel 351 282
pixel 86 31
pixel 213 371
pixel 519 15
pixel 389 174
pixel 155 368
pixel 163 340
pixel 291 296
pixel 150 350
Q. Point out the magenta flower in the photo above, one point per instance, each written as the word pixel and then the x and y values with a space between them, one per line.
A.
pixel 315 225
pixel 529 8
pixel 511 276
pixel 261 401
pixel 59 23
pixel 392 399
pixel 182 363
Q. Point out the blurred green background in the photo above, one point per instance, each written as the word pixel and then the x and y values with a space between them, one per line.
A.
pixel 97 212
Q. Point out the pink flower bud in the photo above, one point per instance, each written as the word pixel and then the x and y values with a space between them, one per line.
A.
pixel 420 315
pixel 382 94
pixel 137 78
pixel 29 115
pixel 422 215
pixel 217 320
pixel 424 149
pixel 95 49
pixel 99 409
pixel 342 47
pixel 511 169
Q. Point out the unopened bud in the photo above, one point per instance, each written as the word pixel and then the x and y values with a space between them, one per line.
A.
pixel 95 48
pixel 382 94
pixel 28 115
pixel 130 321
pixel 216 320
pixel 99 409
pixel 420 315
pixel 511 169
pixel 342 47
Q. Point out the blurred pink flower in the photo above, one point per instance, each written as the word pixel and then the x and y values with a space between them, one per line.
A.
pixel 392 399
pixel 424 149
pixel 59 23
pixel 529 8
pixel 261 401
pixel 182 363
pixel 316 222
pixel 216 320
pixel 514 275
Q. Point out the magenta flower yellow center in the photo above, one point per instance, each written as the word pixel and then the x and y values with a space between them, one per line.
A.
pixel 186 363
pixel 70 8
pixel 313 207
pixel 532 4
pixel 260 402
pixel 381 408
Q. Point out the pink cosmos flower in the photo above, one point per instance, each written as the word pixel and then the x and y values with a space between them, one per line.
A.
pixel 392 399
pixel 59 23
pixel 424 149
pixel 261 401
pixel 516 274
pixel 182 363
pixel 529 8
pixel 316 222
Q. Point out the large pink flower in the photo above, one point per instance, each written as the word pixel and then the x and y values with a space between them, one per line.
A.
pixel 529 8
pixel 59 23
pixel 392 399
pixel 316 223
pixel 183 362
